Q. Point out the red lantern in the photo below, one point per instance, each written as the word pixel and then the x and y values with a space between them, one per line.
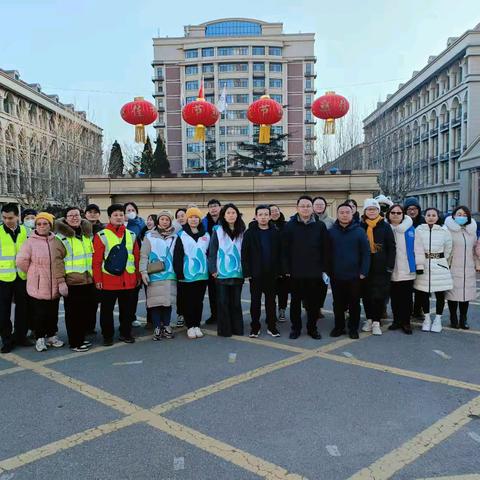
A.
pixel 264 112
pixel 139 113
pixel 329 107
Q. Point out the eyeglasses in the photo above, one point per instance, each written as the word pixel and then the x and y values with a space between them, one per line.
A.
pixel 396 213
pixel 73 216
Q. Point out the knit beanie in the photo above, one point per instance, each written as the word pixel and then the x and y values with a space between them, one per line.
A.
pixel 371 202
pixel 194 212
pixel 46 216
pixel 165 213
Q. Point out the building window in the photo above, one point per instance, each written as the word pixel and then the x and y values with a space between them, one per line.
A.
pixel 258 83
pixel 309 68
pixel 191 70
pixel 235 114
pixel 208 52
pixel 159 71
pixel 193 163
pixel 258 67
pixel 209 84
pixel 277 98
pixel 238 98
pixel 190 132
pixel 233 83
pixel 258 50
pixel 229 51
pixel 276 51
pixel 193 147
pixel 191 85
pixel 190 99
pixel 275 83
pixel 192 53
pixel 234 131
pixel 308 83
pixel 277 129
pixel 233 67
pixel 308 99
pixel 207 68
pixel 233 29
pixel 275 67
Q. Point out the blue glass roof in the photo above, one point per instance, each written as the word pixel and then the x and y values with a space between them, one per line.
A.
pixel 234 28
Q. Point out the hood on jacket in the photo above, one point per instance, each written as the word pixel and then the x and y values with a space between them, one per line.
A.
pixel 403 227
pixel 63 228
pixel 452 225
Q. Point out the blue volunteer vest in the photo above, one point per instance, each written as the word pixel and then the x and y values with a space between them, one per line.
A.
pixel 229 261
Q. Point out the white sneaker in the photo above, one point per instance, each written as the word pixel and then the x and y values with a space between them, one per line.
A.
pixel 191 333
pixel 40 345
pixel 198 332
pixel 136 323
pixel 367 326
pixel 427 323
pixel 281 315
pixel 436 324
pixel 376 330
pixel 54 342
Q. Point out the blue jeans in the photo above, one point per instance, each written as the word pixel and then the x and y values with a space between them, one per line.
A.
pixel 161 316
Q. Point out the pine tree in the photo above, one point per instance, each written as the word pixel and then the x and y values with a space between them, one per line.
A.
pixel 115 162
pixel 161 165
pixel 259 157
pixel 146 164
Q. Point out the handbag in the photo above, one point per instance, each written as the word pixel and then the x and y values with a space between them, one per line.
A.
pixel 155 267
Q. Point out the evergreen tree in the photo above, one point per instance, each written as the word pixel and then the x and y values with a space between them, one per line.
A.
pixel 135 166
pixel 115 162
pixel 260 157
pixel 146 164
pixel 161 165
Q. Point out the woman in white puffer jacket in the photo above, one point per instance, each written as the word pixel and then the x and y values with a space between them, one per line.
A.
pixel 433 247
pixel 463 263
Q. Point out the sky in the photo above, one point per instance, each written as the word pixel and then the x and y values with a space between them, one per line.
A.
pixel 97 54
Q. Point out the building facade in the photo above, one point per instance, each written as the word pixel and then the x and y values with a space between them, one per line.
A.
pixel 248 58
pixel 352 159
pixel 45 146
pixel 419 134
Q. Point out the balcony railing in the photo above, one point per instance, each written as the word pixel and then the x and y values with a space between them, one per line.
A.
pixel 310 90
pixel 444 157
pixel 161 108
pixel 456 121
pixel 310 137
pixel 434 131
pixel 454 153
pixel 433 159
pixel 310 74
pixel 158 77
pixel 416 139
pixel 444 126
pixel 159 125
pixel 308 105
pixel 158 94
pixel 425 136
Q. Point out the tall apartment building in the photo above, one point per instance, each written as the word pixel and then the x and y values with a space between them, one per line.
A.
pixel 425 132
pixel 45 145
pixel 248 57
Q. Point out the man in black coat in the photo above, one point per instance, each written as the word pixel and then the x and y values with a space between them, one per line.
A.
pixel 305 257
pixel 261 263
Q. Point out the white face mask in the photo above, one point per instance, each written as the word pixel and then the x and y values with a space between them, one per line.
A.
pixel 131 215
pixel 29 223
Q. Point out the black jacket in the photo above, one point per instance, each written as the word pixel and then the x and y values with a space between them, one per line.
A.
pixel 252 253
pixel 305 249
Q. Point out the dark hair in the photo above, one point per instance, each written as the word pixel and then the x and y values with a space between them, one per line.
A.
pixel 304 197
pixel 345 204
pixel 351 200
pixel 154 217
pixel 238 226
pixel 263 206
pixel 133 204
pixel 115 208
pixel 180 210
pixel 320 198
pixel 387 215
pixel 72 208
pixel 214 201
pixel 10 208
pixel 440 217
pixel 466 210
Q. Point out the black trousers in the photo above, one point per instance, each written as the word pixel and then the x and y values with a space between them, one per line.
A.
pixel 283 288
pixel 126 306
pixel 463 306
pixel 135 303
pixel 194 294
pixel 229 309
pixel 424 299
pixel 45 317
pixel 417 304
pixel 212 296
pixel 262 286
pixel 80 300
pixel 401 301
pixel 373 303
pixel 305 289
pixel 180 298
pixel 92 306
pixel 346 296
pixel 15 291
pixel 322 293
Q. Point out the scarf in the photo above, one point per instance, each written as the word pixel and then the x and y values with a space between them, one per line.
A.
pixel 166 232
pixel 371 224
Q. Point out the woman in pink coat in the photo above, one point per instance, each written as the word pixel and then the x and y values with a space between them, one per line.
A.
pixel 38 259
pixel 463 263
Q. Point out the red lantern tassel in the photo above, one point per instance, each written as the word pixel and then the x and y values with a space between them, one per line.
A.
pixel 199 133
pixel 264 136
pixel 140 133
pixel 329 128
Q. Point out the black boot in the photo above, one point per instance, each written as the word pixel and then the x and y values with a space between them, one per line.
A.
pixel 463 322
pixel 453 319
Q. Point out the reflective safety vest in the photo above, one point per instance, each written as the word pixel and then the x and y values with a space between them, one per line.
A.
pixel 8 254
pixel 79 254
pixel 110 239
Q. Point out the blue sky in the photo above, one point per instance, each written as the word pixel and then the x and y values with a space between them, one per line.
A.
pixel 97 54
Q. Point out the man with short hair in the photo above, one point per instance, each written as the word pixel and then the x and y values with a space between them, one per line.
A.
pixel 305 257
pixel 349 264
pixel 261 264
pixel 115 287
pixel 13 285
pixel 209 221
pixel 92 214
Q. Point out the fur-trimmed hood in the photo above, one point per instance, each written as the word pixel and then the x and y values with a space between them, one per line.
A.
pixel 63 228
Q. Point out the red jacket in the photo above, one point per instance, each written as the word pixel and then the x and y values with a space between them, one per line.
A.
pixel 125 281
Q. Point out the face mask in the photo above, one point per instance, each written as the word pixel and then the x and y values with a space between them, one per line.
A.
pixel 131 215
pixel 29 223
pixel 461 220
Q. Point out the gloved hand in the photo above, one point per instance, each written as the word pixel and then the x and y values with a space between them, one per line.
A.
pixel 63 289
pixel 145 278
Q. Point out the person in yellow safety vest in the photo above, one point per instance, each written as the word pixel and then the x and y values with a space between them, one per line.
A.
pixel 13 285
pixel 74 242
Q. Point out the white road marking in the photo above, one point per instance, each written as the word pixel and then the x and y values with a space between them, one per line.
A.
pixel 474 436
pixel 348 354
pixel 442 354
pixel 333 450
pixel 134 362
pixel 178 463
pixel 232 357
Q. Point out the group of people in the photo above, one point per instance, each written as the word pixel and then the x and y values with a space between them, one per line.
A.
pixel 390 252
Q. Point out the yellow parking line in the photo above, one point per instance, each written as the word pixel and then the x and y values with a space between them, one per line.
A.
pixel 8 371
pixel 471 476
pixel 411 450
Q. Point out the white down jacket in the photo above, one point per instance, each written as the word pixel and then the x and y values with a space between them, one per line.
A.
pixel 401 272
pixel 435 241
pixel 463 261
